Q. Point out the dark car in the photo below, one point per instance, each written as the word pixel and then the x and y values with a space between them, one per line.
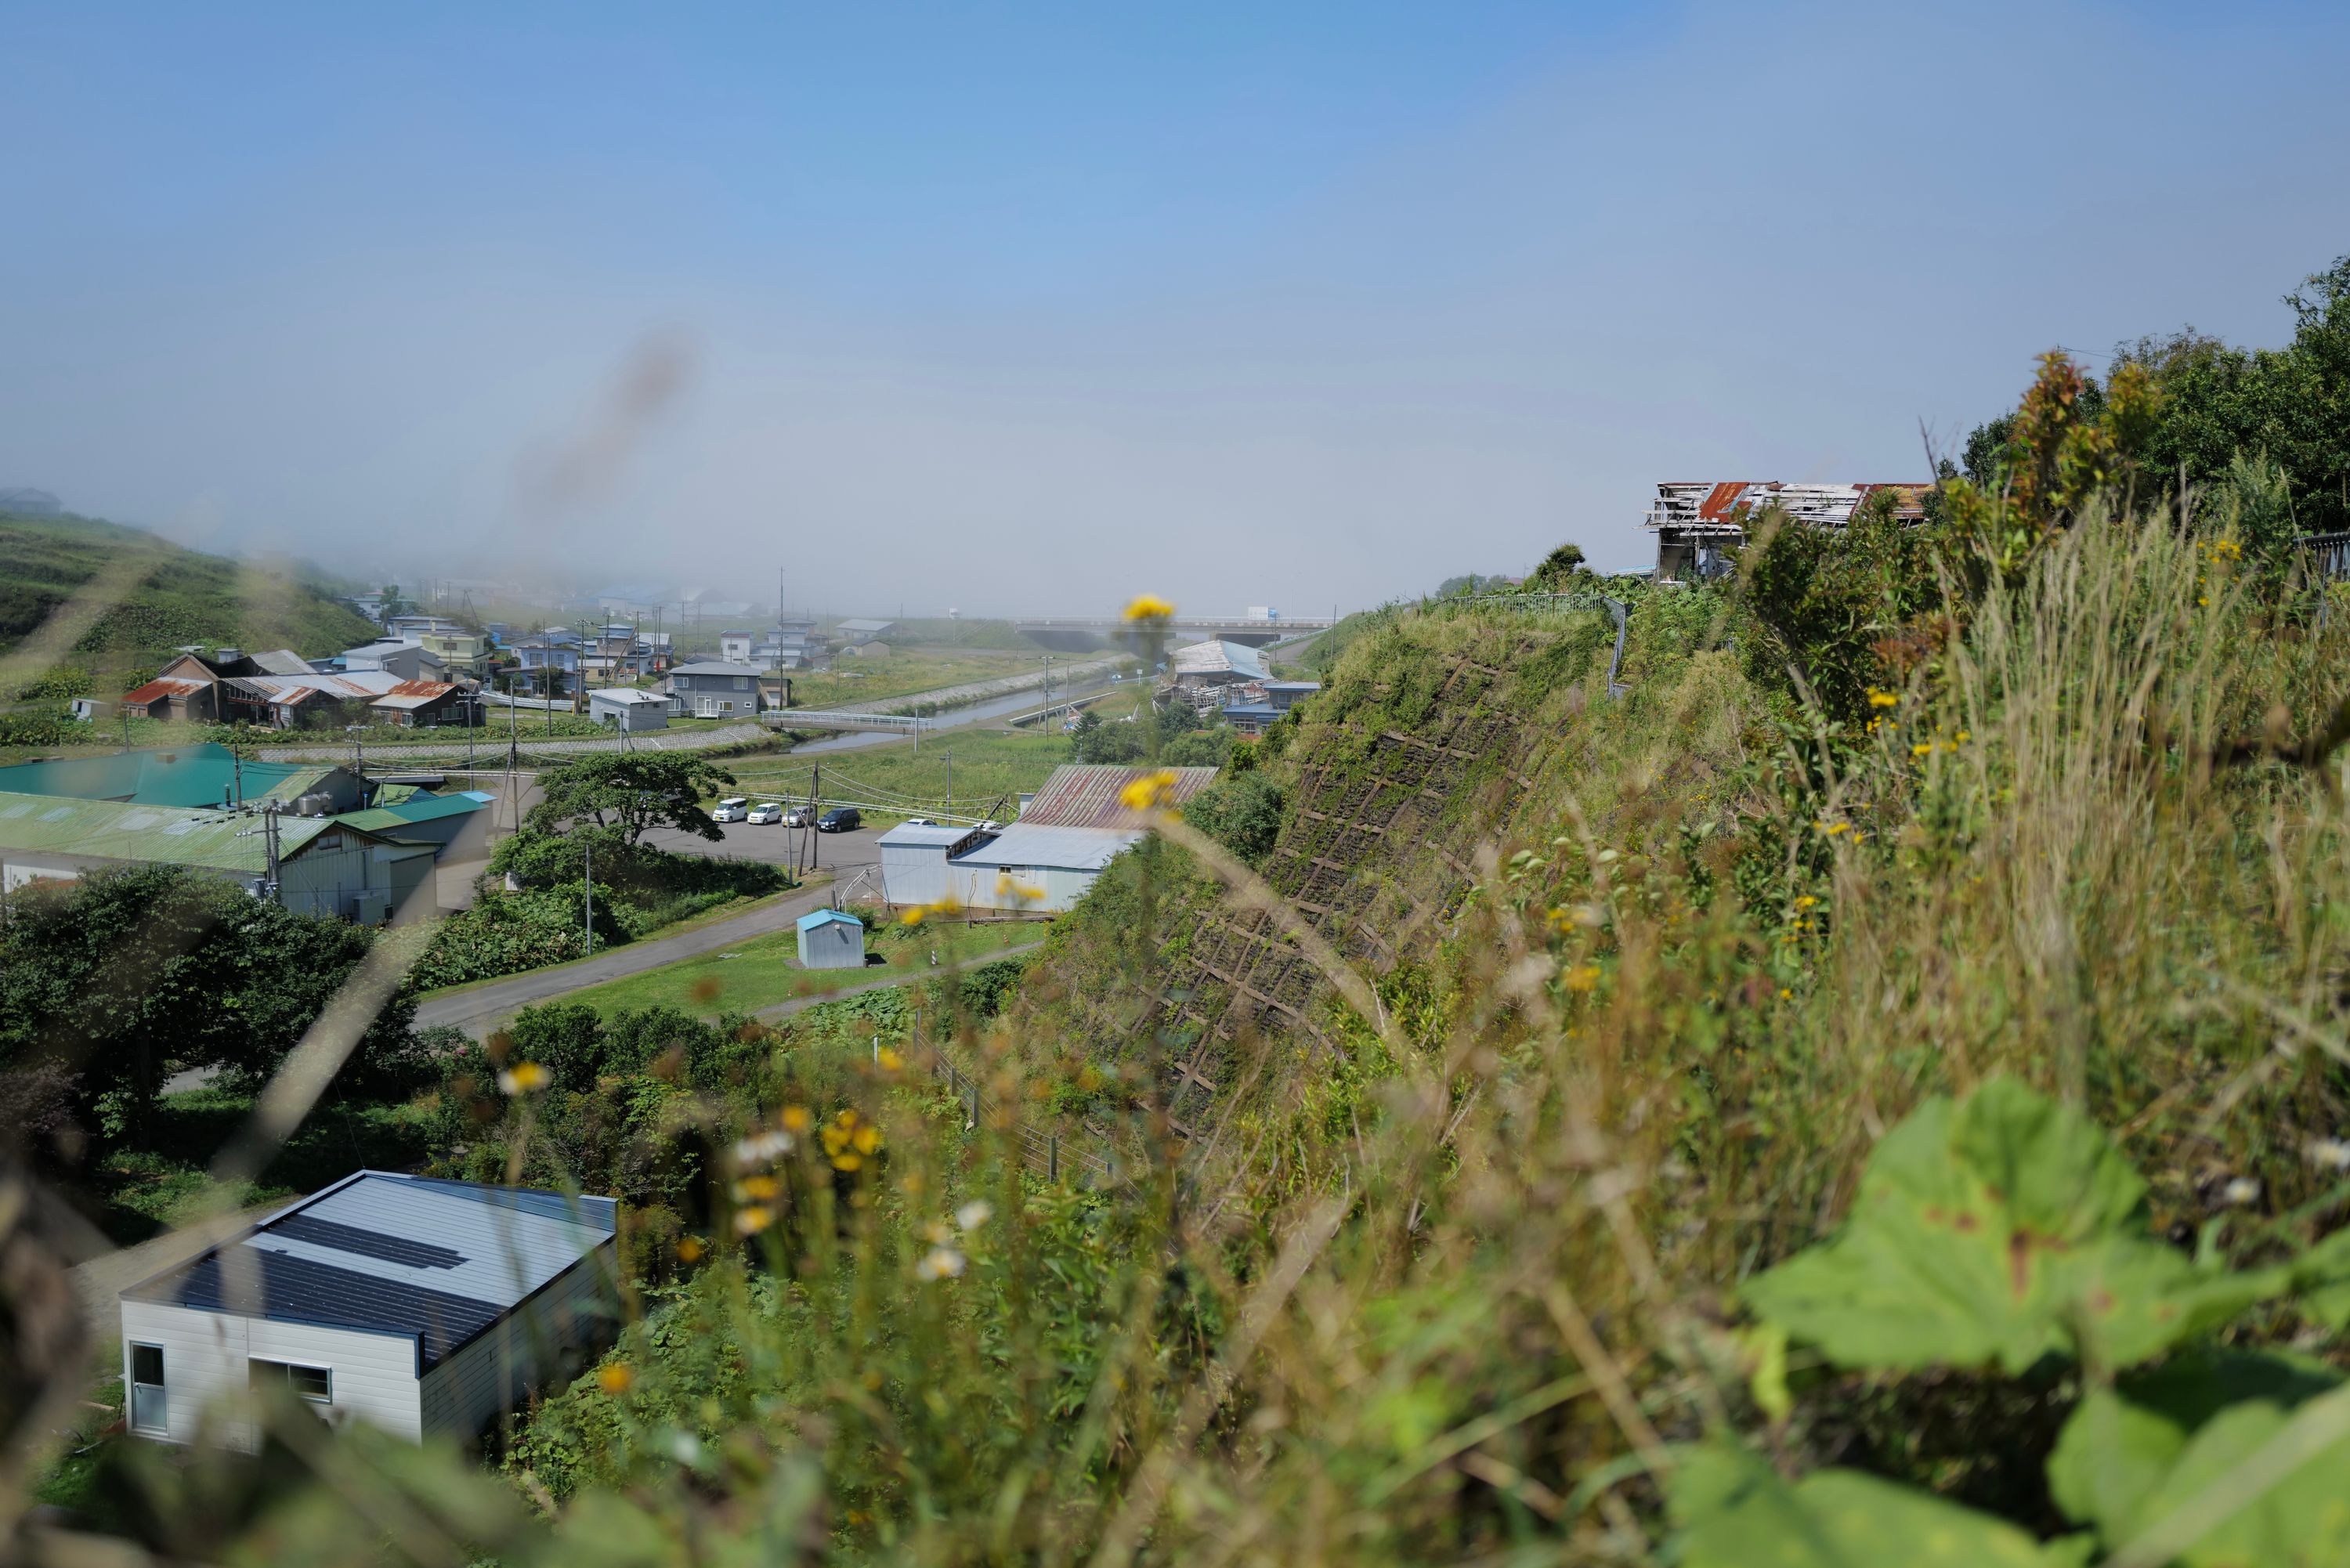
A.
pixel 839 819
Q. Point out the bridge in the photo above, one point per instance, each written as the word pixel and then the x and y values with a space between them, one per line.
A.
pixel 1077 633
pixel 835 719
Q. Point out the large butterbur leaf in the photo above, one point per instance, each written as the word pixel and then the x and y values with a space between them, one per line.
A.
pixel 1999 1230
pixel 2124 1465
pixel 1735 1513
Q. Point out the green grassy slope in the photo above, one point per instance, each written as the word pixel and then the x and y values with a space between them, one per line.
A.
pixel 181 597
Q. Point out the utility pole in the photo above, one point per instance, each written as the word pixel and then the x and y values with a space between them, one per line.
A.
pixel 236 761
pixel 269 843
pixel 588 846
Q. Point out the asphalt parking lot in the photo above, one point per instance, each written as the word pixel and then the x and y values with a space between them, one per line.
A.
pixel 845 854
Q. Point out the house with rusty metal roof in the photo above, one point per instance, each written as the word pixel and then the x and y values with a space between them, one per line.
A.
pixel 1087 794
pixel 1067 834
pixel 1699 523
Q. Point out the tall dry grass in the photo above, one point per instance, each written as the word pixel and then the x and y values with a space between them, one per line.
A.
pixel 1457 1297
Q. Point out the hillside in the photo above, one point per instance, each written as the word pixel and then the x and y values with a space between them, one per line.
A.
pixel 153 596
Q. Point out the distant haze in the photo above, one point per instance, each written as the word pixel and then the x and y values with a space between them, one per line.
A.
pixel 1029 308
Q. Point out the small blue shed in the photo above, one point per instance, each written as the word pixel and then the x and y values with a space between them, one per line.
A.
pixel 830 940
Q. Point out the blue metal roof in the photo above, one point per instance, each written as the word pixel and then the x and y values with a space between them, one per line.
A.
pixel 438 1262
pixel 809 922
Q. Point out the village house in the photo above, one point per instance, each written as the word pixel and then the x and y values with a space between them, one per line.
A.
pixel 714 689
pixel 1699 523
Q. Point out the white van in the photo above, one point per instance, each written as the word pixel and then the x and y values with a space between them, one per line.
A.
pixel 733 808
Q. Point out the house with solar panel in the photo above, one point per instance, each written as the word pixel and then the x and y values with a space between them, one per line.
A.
pixel 426 1307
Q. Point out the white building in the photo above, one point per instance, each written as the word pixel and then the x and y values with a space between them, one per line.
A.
pixel 423 1307
pixel 630 711
pixel 1068 832
pixel 914 861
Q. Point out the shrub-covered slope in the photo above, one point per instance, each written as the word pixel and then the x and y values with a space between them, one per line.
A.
pixel 165 596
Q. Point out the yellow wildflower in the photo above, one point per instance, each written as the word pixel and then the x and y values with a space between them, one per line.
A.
pixel 1149 606
pixel 890 1059
pixel 795 1118
pixel 523 1077
pixel 865 1139
pixel 1883 698
pixel 689 1249
pixel 757 1189
pixel 1922 749
pixel 1786 996
pixel 916 916
pixel 614 1378
pixel 1805 901
pixel 1148 790
pixel 1583 977
pixel 1833 828
pixel 751 1220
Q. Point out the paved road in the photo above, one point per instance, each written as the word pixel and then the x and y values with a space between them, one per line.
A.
pixel 845 855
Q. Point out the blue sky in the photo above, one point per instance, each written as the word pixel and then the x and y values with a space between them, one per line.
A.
pixel 1019 308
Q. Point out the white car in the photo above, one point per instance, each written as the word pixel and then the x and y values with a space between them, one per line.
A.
pixel 765 812
pixel 799 816
pixel 990 825
pixel 733 808
pixel 921 822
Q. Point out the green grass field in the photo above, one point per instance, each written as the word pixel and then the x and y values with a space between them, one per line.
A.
pixel 985 765
pixel 764 970
pixel 855 681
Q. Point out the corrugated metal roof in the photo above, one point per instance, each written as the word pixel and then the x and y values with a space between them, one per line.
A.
pixel 434 1261
pixel 1216 657
pixel 121 830
pixel 194 777
pixel 280 662
pixel 907 833
pixel 1059 848
pixel 165 686
pixel 1081 795
pixel 390 819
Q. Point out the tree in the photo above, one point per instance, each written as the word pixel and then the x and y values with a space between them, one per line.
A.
pixel 127 976
pixel 629 793
pixel 1094 741
pixel 1559 572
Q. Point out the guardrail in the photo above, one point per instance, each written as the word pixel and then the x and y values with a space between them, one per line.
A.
pixel 834 718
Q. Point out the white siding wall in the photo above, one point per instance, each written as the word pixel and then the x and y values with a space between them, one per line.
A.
pixel 206 1357
pixel 1032 890
pixel 914 873
pixel 543 1342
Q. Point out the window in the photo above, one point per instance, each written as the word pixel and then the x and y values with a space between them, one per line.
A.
pixel 147 1398
pixel 315 1384
pixel 742 683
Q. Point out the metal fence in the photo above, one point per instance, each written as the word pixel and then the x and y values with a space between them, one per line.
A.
pixel 1047 1153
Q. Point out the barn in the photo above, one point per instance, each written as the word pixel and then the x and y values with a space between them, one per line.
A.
pixel 423 1307
pixel 914 858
